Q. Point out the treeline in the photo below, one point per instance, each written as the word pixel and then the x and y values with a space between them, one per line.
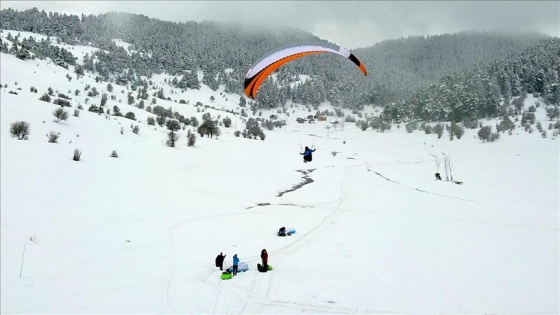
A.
pixel 223 52
pixel 486 90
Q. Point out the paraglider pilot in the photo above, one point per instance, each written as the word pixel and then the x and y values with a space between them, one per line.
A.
pixel 307 156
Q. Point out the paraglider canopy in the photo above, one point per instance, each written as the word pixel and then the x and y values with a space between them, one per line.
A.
pixel 261 69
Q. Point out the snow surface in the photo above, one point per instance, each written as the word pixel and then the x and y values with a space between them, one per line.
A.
pixel 375 232
pixel 79 51
pixel 119 42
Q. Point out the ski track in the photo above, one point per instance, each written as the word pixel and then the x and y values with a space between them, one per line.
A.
pixel 489 207
pixel 306 240
pixel 256 297
pixel 170 295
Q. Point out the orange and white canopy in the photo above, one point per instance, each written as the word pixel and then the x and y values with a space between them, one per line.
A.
pixel 258 73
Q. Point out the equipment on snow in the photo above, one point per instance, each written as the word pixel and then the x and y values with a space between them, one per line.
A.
pixel 226 275
pixel 283 231
pixel 261 268
pixel 241 267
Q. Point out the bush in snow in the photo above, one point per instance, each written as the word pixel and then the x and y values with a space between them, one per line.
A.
pixel 191 138
pixel 539 126
pixel 136 129
pixel 456 130
pixel 362 124
pixel 227 122
pixel 484 133
pixel 19 130
pixel 428 129
pixel 93 92
pixel 61 95
pixel 114 154
pixel 60 114
pixel 268 124
pixel 103 99
pixel 438 129
pixel 237 133
pixel 151 121
pixel 130 115
pixel 53 137
pixel 532 109
pixel 173 126
pixel 350 118
pixel 160 120
pixel 528 118
pixel 45 98
pixel 76 113
pixel 552 112
pixel 77 155
pixel 411 126
pixel 505 124
pixel 470 123
pixel 61 102
pixel 116 111
pixel 208 127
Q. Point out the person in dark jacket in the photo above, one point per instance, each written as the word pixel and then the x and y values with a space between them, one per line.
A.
pixel 307 156
pixel 220 261
pixel 264 257
pixel 235 264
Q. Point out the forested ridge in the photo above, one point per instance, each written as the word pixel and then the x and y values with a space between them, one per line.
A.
pixel 443 77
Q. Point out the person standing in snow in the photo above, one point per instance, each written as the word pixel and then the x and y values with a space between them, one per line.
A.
pixel 235 264
pixel 264 257
pixel 307 156
pixel 220 261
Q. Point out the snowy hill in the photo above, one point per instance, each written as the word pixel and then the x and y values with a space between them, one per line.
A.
pixel 376 233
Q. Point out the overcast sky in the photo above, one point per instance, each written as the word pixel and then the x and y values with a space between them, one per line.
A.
pixel 350 24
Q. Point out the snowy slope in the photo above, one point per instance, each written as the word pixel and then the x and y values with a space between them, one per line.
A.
pixel 375 232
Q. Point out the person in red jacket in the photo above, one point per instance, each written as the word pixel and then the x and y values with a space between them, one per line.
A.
pixel 264 257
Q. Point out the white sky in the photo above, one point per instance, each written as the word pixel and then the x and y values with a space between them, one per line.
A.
pixel 350 24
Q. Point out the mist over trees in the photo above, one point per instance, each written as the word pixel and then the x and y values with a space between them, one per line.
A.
pixel 449 77
pixel 487 89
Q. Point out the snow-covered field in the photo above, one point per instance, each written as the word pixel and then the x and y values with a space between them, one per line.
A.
pixel 375 232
